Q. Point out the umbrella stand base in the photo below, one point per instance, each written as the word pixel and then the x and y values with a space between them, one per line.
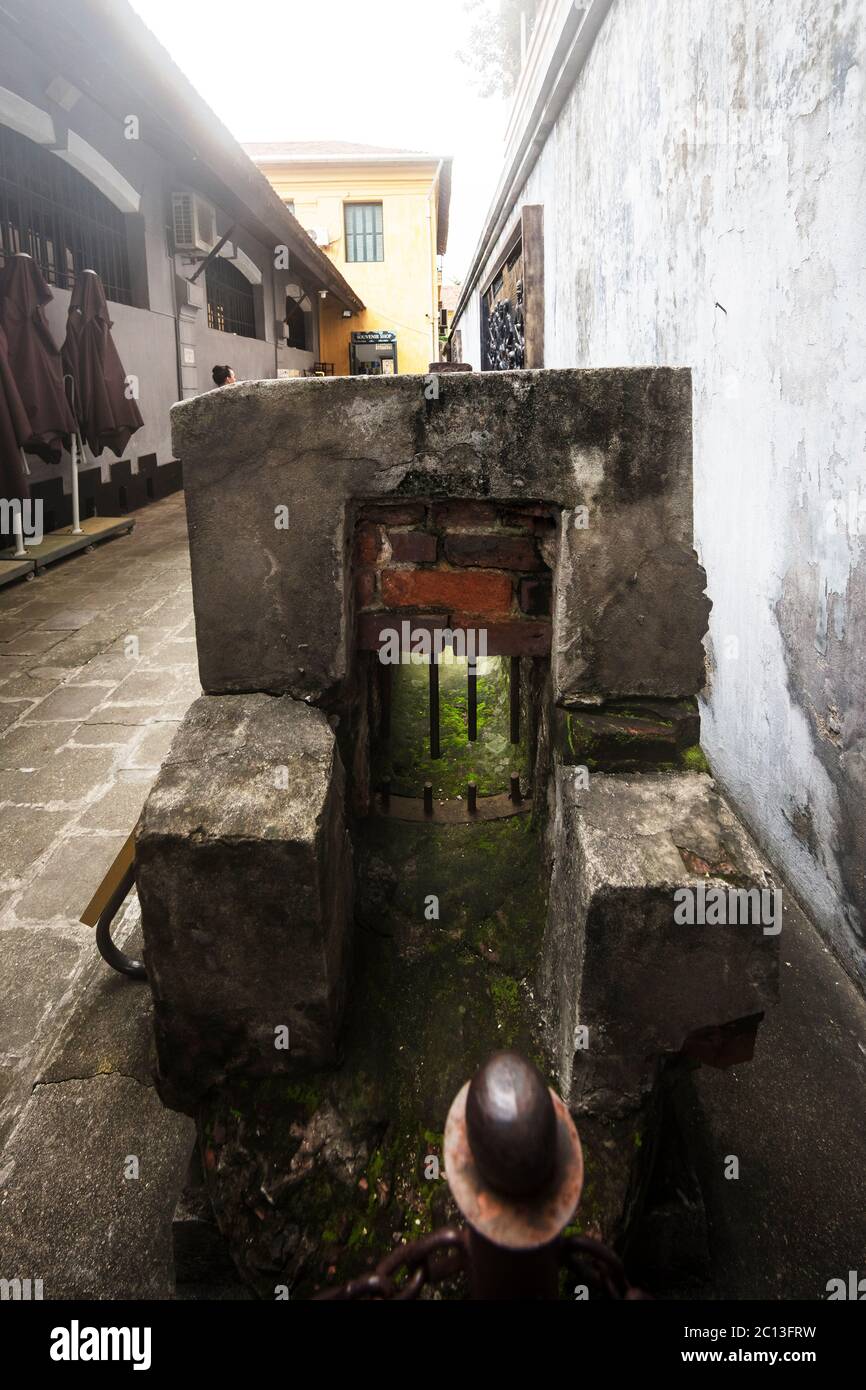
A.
pixel 14 569
pixel 57 545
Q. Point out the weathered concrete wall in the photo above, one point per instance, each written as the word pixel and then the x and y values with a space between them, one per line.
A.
pixel 244 872
pixel 704 192
pixel 270 468
pixel 615 960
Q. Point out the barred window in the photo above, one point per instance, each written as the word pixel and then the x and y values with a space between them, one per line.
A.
pixel 57 215
pixel 230 303
pixel 364 240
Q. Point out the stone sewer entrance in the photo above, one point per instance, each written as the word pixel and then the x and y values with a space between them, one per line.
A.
pixel 312 998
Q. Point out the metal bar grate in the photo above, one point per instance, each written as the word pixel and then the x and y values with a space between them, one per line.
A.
pixel 514 698
pixel 434 707
pixel 230 302
pixel 56 215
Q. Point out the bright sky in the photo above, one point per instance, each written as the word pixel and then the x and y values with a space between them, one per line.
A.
pixel 385 73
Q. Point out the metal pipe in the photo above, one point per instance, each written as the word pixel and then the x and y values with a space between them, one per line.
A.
pixel 472 798
pixel 428 798
pixel 112 954
pixel 516 795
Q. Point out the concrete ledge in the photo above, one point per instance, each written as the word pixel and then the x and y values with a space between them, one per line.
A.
pixel 271 467
pixel 615 959
pixel 243 865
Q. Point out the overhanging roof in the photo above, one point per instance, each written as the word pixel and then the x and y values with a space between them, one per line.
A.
pixel 108 52
pixel 562 39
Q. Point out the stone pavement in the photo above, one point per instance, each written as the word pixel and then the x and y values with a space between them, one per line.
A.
pixel 97 667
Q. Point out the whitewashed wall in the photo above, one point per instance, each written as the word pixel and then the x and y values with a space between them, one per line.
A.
pixel 704 196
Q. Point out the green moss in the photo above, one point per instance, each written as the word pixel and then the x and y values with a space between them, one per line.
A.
pixel 695 759
pixel 405 758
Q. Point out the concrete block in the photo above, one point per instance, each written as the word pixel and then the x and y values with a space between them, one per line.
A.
pixel 272 470
pixel 615 959
pixel 243 865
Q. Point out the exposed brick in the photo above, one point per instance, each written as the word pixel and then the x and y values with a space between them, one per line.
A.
pixel 370 544
pixel 478 592
pixel 467 513
pixel 365 587
pixel 370 626
pixel 493 552
pixel 405 514
pixel 415 547
pixel 536 517
pixel 510 639
pixel 533 596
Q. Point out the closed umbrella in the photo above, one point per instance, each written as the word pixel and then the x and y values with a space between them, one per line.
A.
pixel 34 358
pixel 106 414
pixel 14 429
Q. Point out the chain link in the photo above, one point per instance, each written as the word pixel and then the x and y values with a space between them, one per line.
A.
pixel 444 1254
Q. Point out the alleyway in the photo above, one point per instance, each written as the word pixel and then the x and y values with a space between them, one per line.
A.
pixel 88 714
pixel 97 666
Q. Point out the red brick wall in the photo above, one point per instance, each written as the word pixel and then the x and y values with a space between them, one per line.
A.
pixel 468 564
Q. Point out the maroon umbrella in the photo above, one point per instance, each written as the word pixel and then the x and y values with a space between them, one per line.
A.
pixel 34 358
pixel 14 430
pixel 106 414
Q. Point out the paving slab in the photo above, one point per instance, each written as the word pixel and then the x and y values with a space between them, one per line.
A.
pixel 28 833
pixel 33 745
pixel 72 702
pixel 70 877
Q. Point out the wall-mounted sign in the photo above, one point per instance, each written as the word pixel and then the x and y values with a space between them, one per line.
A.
pixel 383 336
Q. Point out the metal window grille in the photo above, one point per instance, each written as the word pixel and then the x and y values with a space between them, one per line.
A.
pixel 51 211
pixel 364 238
pixel 230 304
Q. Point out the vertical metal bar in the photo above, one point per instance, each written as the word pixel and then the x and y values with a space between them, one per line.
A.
pixel 472 685
pixel 428 798
pixel 516 796
pixel 514 694
pixel 385 699
pixel 472 797
pixel 434 707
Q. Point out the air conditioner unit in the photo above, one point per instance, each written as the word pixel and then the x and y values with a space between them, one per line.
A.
pixel 320 235
pixel 194 223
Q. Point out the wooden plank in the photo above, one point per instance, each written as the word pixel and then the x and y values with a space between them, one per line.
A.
pixel 108 887
pixel 532 224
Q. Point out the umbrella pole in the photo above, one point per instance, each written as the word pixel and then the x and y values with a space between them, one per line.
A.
pixel 76 511
pixel 17 521
pixel 18 533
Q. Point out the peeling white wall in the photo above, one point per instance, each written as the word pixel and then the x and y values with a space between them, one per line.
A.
pixel 704 195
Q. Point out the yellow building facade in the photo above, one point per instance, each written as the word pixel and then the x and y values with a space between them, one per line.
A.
pixel 382 218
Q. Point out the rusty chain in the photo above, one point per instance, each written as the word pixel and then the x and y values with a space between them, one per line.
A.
pixel 444 1254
